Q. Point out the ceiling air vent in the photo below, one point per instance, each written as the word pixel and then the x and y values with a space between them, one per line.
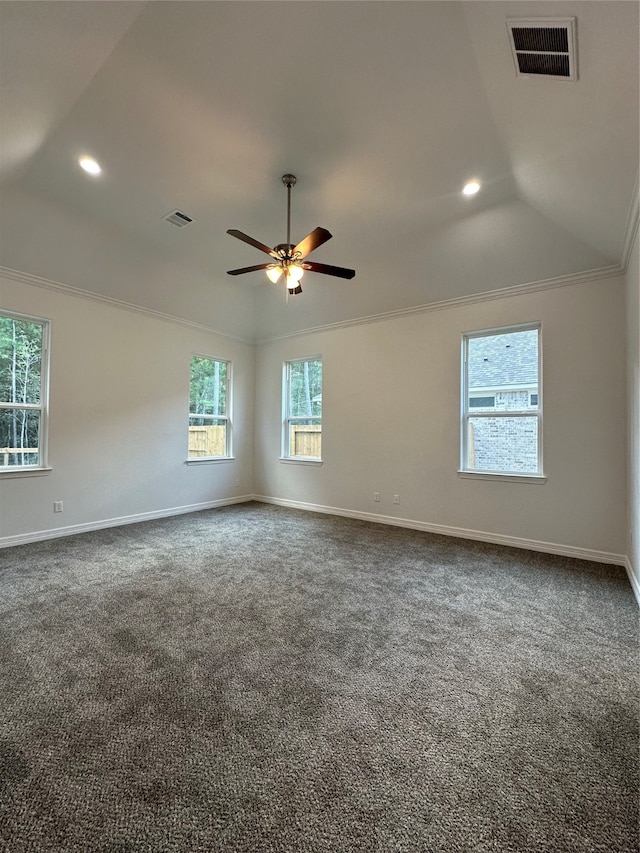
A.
pixel 544 47
pixel 178 219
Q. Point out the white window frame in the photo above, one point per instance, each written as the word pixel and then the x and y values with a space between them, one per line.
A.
pixel 468 411
pixel 227 418
pixel 288 419
pixel 42 466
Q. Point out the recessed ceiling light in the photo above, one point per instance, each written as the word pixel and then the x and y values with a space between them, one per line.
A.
pixel 471 188
pixel 90 165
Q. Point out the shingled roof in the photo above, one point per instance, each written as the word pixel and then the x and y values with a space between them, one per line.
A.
pixel 504 359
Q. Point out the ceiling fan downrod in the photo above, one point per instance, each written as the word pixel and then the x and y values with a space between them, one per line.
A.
pixel 289 181
pixel 287 259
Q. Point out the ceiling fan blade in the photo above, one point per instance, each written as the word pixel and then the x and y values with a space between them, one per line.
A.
pixel 246 239
pixel 316 238
pixel 327 269
pixel 249 269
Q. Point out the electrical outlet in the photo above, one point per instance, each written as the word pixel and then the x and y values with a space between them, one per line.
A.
pixel 376 496
pixel 396 499
pixel 58 506
pixel 237 482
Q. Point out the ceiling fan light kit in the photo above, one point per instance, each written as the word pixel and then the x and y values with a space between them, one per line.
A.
pixel 289 259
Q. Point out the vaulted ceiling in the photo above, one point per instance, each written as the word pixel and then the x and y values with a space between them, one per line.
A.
pixel 383 110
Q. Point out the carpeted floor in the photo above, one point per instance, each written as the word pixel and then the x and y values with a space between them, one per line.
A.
pixel 261 679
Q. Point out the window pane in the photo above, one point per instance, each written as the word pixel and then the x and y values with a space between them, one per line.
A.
pixel 207 437
pixel 19 437
pixel 504 366
pixel 482 402
pixel 208 386
pixel 20 360
pixel 305 388
pixel 506 445
pixel 305 438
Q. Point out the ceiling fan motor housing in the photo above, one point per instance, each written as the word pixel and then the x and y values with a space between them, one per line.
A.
pixel 284 250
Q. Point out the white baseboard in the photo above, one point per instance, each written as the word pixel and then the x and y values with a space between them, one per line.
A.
pixel 444 530
pixel 633 579
pixel 57 532
pixel 459 532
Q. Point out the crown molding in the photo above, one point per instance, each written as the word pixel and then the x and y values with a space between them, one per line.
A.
pixel 473 299
pixel 631 229
pixel 443 305
pixel 49 284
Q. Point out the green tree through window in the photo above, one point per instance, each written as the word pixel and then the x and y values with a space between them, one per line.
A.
pixel 209 433
pixel 22 391
pixel 303 409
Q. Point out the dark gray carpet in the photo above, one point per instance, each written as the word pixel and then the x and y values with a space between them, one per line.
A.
pixel 261 679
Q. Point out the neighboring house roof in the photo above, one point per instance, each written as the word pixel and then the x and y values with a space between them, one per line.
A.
pixel 504 359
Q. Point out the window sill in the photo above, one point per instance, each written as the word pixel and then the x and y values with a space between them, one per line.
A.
pixel 300 460
pixel 11 473
pixel 507 478
pixel 209 460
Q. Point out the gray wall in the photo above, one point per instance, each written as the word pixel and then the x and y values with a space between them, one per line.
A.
pixel 391 421
pixel 391 409
pixel 119 397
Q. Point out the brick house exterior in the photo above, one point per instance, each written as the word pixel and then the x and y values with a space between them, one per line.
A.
pixel 502 372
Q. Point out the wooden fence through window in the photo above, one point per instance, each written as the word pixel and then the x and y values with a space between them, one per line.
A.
pixel 305 440
pixel 207 441
pixel 5 452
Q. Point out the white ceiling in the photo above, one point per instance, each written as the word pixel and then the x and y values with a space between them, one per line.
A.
pixel 383 110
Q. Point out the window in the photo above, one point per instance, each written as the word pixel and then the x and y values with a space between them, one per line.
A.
pixel 209 401
pixel 501 402
pixel 302 433
pixel 23 392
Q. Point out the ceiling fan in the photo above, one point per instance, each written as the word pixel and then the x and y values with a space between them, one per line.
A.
pixel 290 260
